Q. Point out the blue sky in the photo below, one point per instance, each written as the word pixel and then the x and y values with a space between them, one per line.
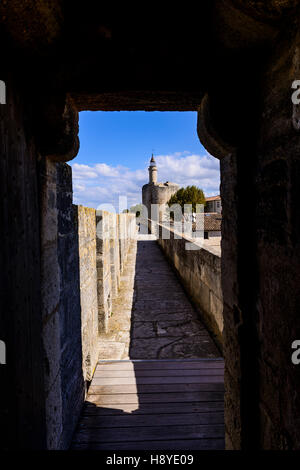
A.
pixel 115 149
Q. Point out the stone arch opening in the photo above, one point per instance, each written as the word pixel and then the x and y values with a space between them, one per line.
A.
pixel 247 122
pixel 83 243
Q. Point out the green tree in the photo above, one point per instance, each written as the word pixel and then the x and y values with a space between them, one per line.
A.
pixel 137 209
pixel 189 195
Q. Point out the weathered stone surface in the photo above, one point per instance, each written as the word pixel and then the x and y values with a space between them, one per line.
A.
pixel 186 328
pixel 260 251
pixel 64 387
pixel 114 235
pixel 114 343
pixel 112 349
pixel 57 128
pixel 114 254
pixel 164 323
pixel 50 290
pixel 189 347
pixel 72 298
pixel 88 289
pixel 142 315
pixel 104 262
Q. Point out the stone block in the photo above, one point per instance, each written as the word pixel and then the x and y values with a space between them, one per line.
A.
pixel 54 415
pixel 216 310
pixel 52 350
pixel 50 287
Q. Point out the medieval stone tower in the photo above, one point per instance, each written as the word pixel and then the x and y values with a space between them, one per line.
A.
pixel 157 193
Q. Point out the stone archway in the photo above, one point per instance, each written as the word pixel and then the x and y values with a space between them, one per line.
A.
pixel 60 60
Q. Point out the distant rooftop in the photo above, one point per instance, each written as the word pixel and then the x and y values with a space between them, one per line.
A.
pixel 212 222
pixel 213 198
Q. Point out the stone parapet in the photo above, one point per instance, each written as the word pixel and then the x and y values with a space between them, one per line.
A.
pixel 88 289
pixel 81 253
pixel 114 233
pixel 199 268
pixel 104 278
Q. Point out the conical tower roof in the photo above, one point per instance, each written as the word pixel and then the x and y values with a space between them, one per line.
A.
pixel 152 161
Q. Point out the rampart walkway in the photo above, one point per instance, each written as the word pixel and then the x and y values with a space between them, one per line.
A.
pixel 166 392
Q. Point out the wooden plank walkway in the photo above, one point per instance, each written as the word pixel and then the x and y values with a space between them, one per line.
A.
pixel 154 405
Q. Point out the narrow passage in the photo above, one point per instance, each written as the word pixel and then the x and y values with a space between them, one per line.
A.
pixel 159 382
pixel 152 315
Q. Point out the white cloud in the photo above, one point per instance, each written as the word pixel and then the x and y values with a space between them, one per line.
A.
pixel 102 183
pixel 83 171
pixel 106 170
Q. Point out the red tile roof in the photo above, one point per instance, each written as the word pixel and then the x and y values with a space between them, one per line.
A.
pixel 213 198
pixel 212 221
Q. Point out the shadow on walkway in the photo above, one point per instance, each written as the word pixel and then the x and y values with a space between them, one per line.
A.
pixel 168 391
pixel 164 323
pixel 154 405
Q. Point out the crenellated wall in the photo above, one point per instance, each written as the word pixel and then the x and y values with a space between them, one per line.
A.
pixel 104 275
pixel 80 265
pixel 200 272
pixel 86 225
pixel 114 232
pixel 114 254
pixel 126 232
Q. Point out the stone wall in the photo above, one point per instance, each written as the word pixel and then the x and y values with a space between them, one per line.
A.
pixel 253 127
pixel 114 254
pixel 260 171
pixel 122 239
pixel 86 223
pixel 22 407
pixel 200 272
pixel 104 274
pixel 158 193
pixel 126 231
pixel 79 258
pixel 72 378
pixel 61 307
pixel 261 259
pixel 114 232
pixel 40 307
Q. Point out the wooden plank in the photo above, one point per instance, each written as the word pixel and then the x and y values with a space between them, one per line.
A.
pixel 147 408
pixel 152 405
pixel 132 420
pixel 157 380
pixel 132 398
pixel 101 435
pixel 131 365
pixel 156 372
pixel 155 388
pixel 193 444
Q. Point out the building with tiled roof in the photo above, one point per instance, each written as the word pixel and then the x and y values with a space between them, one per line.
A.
pixel 212 225
pixel 212 222
pixel 213 204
